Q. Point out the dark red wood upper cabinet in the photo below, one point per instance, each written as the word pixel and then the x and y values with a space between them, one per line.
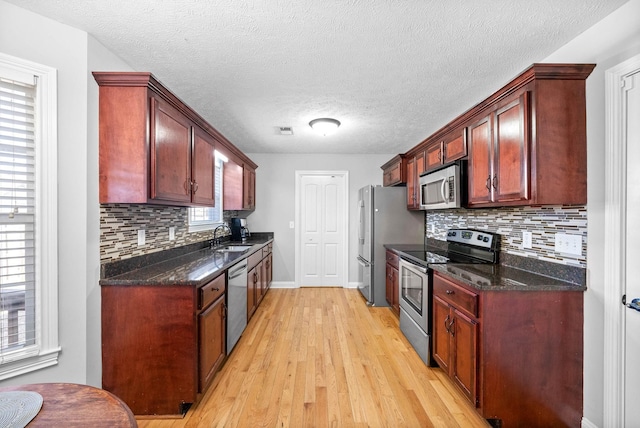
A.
pixel 499 155
pixel 203 167
pixel 170 144
pixel 154 148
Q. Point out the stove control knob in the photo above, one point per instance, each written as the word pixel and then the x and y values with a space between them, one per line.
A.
pixel 480 237
pixel 486 239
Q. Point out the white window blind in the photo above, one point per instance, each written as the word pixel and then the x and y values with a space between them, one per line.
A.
pixel 17 216
pixel 204 218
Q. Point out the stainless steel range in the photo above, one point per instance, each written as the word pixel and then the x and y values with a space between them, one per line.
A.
pixel 464 246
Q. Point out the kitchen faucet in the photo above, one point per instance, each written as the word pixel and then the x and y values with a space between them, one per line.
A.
pixel 216 240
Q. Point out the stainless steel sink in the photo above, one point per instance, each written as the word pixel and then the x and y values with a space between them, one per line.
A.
pixel 234 248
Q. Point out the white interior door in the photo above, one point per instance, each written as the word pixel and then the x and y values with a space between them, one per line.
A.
pixel 621 249
pixel 632 317
pixel 322 228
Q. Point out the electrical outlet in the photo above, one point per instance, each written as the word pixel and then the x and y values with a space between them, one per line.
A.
pixel 141 237
pixel 432 228
pixel 568 244
pixel 527 240
pixel 172 233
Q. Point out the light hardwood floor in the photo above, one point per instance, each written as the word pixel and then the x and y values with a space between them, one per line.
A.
pixel 319 357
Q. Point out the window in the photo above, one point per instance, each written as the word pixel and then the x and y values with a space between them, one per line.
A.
pixel 28 217
pixel 206 218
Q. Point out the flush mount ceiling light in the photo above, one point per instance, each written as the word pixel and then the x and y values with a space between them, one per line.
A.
pixel 324 126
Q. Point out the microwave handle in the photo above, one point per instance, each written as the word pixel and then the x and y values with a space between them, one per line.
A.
pixel 444 197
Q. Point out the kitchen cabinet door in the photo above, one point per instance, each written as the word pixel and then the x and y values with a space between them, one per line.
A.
pixel 394 173
pixel 389 286
pixel 411 183
pixel 170 145
pixel 212 337
pixel 253 286
pixel 203 168
pixel 249 188
pixel 415 167
pixel 268 270
pixel 480 171
pixel 464 338
pixel 260 285
pixel 499 155
pixel 454 146
pixel 510 180
pixel 441 338
pixel 434 156
pixel 239 187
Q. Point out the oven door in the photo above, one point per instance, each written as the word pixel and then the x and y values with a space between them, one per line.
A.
pixel 415 293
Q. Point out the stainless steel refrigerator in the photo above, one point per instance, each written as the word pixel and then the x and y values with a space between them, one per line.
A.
pixel 384 219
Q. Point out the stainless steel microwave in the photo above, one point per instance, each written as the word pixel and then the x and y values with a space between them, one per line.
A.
pixel 443 188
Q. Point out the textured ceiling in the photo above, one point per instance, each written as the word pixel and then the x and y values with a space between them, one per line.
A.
pixel 392 72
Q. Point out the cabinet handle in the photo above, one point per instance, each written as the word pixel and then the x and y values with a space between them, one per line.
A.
pixel 194 185
pixel 495 182
pixel 216 289
pixel 440 155
pixel 488 183
pixel 446 327
pixel 449 291
pixel 187 186
pixel 450 329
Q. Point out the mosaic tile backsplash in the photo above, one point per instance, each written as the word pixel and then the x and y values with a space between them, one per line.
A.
pixel 542 222
pixel 119 225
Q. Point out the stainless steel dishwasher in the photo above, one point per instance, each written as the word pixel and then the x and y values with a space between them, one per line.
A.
pixel 236 303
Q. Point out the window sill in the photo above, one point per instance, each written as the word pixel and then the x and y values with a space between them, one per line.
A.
pixel 29 364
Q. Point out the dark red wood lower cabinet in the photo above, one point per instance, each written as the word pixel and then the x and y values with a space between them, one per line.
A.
pixel 524 349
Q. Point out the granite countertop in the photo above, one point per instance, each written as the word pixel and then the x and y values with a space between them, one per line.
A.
pixel 194 268
pixel 499 277
pixel 503 277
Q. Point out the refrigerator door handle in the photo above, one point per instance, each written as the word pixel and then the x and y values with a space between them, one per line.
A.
pixel 363 262
pixel 361 225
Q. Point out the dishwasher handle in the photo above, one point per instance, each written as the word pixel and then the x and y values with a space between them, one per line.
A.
pixel 239 270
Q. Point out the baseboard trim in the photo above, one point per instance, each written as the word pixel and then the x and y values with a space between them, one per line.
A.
pixel 586 423
pixel 283 284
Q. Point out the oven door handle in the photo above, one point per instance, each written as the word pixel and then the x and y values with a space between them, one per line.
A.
pixel 411 265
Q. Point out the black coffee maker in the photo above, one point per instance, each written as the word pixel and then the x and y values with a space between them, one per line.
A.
pixel 239 230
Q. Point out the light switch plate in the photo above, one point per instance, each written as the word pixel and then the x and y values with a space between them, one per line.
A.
pixel 527 240
pixel 172 233
pixel 568 244
pixel 141 237
pixel 291 225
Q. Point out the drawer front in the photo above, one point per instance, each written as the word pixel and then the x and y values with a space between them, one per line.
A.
pixel 455 295
pixel 254 259
pixel 211 291
pixel 266 250
pixel 393 259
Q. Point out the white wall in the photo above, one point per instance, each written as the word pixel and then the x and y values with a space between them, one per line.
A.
pixel 66 49
pixel 99 59
pixel 609 42
pixel 275 200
